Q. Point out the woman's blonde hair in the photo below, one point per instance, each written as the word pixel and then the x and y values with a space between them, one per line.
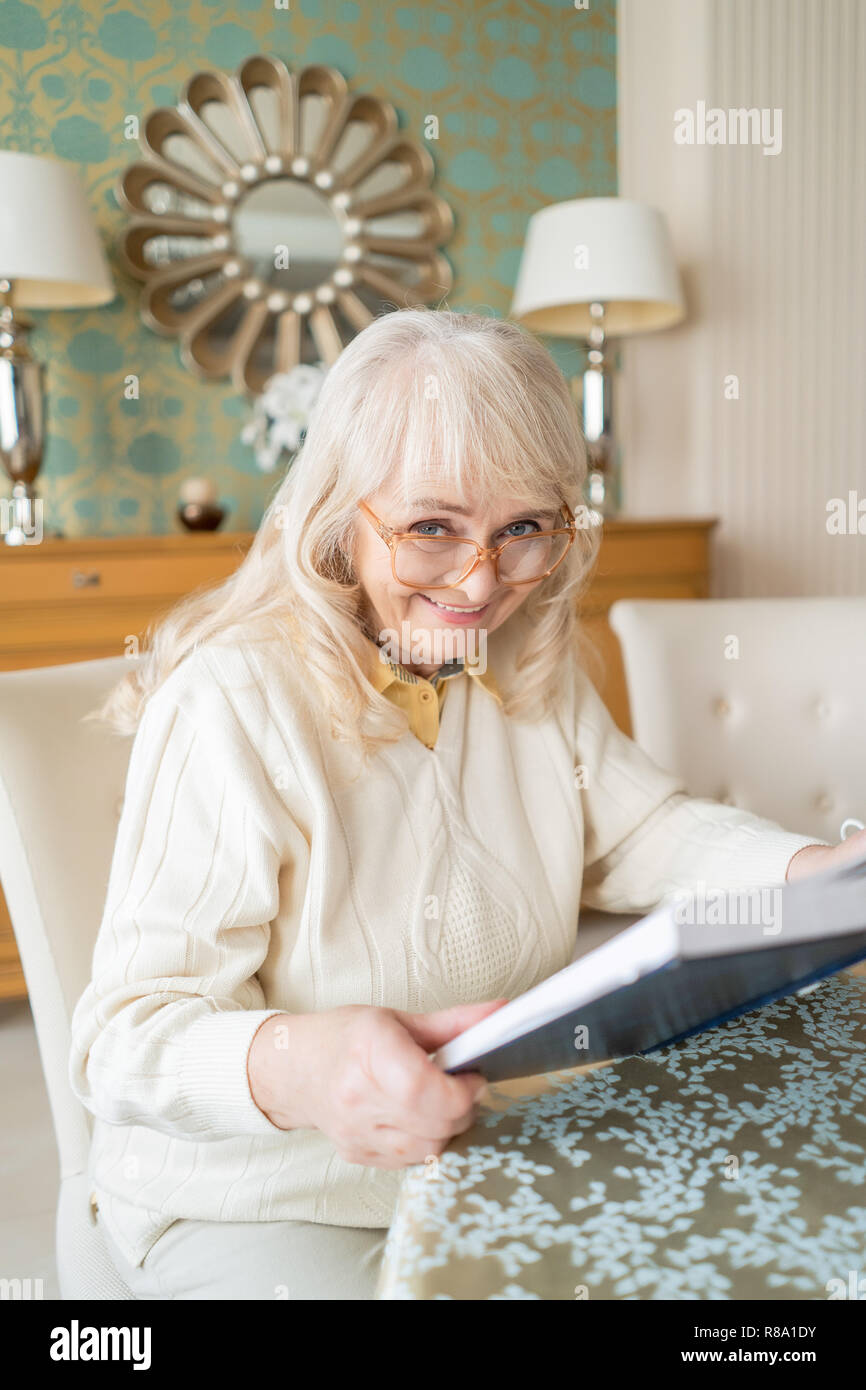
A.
pixel 420 393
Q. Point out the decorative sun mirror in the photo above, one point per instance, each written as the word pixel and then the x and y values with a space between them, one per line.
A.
pixel 273 215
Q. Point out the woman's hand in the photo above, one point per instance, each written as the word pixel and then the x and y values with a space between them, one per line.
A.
pixel 814 859
pixel 362 1076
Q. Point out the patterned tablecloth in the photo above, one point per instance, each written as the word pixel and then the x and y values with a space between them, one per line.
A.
pixel 728 1166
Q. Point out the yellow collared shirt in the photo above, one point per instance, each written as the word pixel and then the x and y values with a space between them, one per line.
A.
pixel 422 699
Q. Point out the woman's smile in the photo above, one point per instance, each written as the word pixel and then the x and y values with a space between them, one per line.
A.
pixel 461 615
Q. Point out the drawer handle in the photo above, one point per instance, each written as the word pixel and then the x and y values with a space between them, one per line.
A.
pixel 80 580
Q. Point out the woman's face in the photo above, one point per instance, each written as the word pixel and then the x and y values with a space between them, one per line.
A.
pixel 478 605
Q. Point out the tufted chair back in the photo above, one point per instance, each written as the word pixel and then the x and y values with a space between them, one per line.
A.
pixel 756 702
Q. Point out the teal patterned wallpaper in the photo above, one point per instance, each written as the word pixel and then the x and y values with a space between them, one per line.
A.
pixel 525 94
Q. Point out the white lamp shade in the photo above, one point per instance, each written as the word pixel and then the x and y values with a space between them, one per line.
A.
pixel 49 245
pixel 610 251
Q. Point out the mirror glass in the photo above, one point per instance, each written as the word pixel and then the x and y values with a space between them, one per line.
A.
pixel 288 233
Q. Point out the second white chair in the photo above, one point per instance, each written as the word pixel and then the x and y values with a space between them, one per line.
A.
pixel 757 702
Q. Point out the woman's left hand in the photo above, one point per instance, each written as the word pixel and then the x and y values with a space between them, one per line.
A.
pixel 815 859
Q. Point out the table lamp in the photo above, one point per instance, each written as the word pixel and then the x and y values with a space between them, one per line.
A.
pixel 593 268
pixel 50 258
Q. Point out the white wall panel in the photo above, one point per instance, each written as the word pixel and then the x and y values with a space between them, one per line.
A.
pixel 773 249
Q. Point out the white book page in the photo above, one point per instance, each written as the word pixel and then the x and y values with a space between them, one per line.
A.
pixel 826 904
pixel 638 949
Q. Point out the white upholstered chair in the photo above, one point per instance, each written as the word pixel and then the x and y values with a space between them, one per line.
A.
pixel 61 784
pixel 754 702
pixel 757 702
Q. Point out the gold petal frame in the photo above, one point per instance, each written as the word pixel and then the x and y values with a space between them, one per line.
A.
pixel 371 194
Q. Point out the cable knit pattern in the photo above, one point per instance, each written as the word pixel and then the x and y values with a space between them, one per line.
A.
pixel 253 874
pixel 479 940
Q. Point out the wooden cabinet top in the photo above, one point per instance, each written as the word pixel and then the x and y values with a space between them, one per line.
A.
pixel 73 547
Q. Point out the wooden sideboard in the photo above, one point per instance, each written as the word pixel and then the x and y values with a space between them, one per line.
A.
pixel 640 559
pixel 78 600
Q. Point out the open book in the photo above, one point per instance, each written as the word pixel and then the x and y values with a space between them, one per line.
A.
pixel 690 964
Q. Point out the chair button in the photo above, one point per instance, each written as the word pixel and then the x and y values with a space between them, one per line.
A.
pixel 721 707
pixel 824 802
pixel 822 709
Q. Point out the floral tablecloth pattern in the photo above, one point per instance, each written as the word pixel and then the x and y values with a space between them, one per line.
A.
pixel 731 1165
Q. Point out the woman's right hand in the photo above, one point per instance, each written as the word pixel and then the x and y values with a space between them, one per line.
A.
pixel 362 1076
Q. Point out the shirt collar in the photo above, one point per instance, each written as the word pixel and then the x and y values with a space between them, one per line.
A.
pixel 383 674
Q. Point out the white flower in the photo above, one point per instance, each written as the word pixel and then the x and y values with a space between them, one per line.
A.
pixel 281 413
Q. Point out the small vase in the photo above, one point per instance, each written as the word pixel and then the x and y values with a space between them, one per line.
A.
pixel 200 516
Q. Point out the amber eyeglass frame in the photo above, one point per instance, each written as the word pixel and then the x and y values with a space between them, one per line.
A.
pixel 393 538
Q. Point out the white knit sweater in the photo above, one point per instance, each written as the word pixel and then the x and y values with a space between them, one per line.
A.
pixel 252 876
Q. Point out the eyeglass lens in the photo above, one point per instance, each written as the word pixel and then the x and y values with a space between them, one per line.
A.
pixel 427 561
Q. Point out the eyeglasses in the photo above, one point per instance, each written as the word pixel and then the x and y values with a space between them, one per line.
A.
pixel 443 562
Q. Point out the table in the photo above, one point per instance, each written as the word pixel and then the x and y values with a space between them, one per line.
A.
pixel 731 1165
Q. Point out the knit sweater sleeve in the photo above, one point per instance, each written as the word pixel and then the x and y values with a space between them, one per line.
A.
pixel 160 1036
pixel 646 839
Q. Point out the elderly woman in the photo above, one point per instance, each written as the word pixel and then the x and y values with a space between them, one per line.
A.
pixel 369 789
